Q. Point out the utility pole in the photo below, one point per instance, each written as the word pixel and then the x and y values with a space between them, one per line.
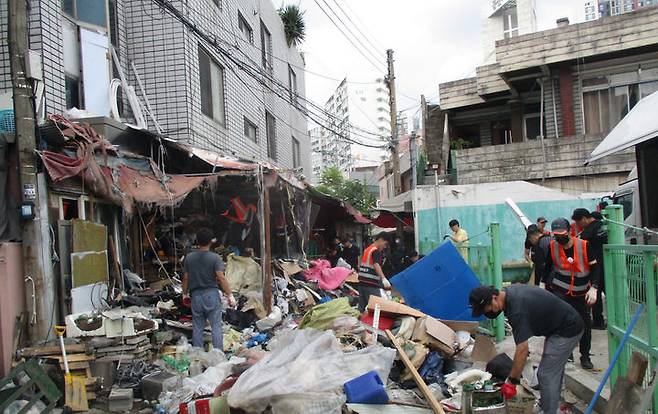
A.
pixel 26 139
pixel 397 181
pixel 413 159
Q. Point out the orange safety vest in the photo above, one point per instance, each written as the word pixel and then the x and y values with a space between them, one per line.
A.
pixel 571 277
pixel 367 272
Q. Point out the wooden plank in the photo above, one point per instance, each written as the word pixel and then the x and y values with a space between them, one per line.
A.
pixel 626 397
pixel 637 368
pixel 431 400
pixel 51 350
pixel 72 357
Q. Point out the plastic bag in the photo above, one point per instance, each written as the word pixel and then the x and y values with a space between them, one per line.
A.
pixel 310 403
pixel 304 363
pixel 321 316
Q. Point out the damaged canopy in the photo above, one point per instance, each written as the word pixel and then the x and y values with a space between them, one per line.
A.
pixel 111 173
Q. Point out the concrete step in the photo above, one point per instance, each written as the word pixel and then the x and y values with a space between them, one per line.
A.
pixel 583 385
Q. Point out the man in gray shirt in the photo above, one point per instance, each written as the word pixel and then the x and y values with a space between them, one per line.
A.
pixel 203 271
pixel 532 311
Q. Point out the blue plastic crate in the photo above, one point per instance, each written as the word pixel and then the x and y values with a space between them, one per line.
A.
pixel 7 121
pixel 366 389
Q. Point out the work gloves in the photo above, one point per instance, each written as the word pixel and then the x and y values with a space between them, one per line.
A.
pixel 590 297
pixel 231 301
pixel 508 391
pixel 387 284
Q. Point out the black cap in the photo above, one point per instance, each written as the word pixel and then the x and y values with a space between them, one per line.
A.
pixel 532 229
pixel 479 298
pixel 560 226
pixel 542 220
pixel 580 213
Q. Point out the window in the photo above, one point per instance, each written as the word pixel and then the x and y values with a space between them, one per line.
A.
pixel 245 29
pixel 71 56
pixel 211 80
pixel 270 127
pixel 626 201
pixel 87 11
pixel 292 85
pixel 510 23
pixel 265 46
pixel 114 29
pixel 250 130
pixel 296 153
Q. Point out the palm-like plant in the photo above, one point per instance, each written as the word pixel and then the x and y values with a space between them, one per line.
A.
pixel 293 24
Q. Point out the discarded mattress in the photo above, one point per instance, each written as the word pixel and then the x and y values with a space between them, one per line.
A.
pixel 439 284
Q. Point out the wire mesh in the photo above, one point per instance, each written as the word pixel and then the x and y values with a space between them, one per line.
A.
pixel 631 280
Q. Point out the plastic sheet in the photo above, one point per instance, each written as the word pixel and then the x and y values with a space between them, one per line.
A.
pixel 321 316
pixel 304 372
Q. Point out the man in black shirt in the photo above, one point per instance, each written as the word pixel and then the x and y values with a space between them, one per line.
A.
pixel 596 237
pixel 351 254
pixel 538 244
pixel 574 277
pixel 532 311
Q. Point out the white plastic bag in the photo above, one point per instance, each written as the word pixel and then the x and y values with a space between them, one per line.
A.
pixel 304 364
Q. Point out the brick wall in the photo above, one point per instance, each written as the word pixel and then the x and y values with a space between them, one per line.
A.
pixel 567 100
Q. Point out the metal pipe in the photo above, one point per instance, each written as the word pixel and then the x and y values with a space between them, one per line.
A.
pixel 608 370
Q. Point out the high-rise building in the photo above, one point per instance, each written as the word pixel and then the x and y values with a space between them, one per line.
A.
pixel 356 114
pixel 606 8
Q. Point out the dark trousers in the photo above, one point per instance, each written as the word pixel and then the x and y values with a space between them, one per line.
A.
pixel 365 291
pixel 580 305
pixel 597 309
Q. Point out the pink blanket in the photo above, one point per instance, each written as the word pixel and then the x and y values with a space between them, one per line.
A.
pixel 328 278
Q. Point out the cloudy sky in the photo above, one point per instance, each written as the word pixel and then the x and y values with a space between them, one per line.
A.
pixel 434 41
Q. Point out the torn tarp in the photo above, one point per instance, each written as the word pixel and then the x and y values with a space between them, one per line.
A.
pixel 111 175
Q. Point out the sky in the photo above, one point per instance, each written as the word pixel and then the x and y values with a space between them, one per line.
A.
pixel 434 41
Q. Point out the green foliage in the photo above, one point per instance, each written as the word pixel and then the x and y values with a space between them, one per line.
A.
pixel 354 192
pixel 460 143
pixel 293 24
pixel 420 166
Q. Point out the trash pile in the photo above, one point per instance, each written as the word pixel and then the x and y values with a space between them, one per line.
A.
pixel 313 353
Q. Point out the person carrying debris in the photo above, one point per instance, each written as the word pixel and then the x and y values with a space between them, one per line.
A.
pixel 532 311
pixel 574 277
pixel 371 275
pixel 203 272
pixel 596 237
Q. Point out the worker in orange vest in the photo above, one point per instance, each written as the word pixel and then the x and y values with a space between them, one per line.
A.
pixel 371 276
pixel 574 275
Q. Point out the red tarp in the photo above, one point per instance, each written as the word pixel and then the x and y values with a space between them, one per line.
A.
pixel 387 220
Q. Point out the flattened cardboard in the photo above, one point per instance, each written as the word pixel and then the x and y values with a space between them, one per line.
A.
pixel 388 306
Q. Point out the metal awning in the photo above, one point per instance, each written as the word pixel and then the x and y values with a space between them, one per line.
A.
pixel 399 204
pixel 639 125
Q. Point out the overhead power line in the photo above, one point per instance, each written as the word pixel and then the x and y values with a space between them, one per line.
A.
pixel 358 49
pixel 356 26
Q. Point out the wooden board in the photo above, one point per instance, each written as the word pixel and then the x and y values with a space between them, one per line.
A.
pixel 72 357
pixel 637 368
pixel 427 393
pixel 52 350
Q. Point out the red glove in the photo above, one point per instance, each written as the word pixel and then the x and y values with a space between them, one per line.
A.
pixel 508 390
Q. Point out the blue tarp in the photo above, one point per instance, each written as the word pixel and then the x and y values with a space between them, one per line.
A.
pixel 439 284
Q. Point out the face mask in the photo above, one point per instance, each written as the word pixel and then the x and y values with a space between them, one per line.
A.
pixel 563 240
pixel 492 314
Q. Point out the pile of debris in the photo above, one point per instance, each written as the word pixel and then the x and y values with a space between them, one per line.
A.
pixel 314 352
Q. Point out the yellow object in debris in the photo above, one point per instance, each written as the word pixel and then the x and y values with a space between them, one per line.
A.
pixel 75 389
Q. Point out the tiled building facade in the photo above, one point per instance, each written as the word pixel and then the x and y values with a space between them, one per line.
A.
pixel 198 94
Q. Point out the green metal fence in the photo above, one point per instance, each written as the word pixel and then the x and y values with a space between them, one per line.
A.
pixel 631 278
pixel 485 262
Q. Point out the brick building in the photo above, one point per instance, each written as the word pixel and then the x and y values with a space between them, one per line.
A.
pixel 198 95
pixel 570 85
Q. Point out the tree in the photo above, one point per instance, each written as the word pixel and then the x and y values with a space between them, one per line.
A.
pixel 293 24
pixel 354 192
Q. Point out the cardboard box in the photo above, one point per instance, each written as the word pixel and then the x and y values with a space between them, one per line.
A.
pixel 388 306
pixel 435 335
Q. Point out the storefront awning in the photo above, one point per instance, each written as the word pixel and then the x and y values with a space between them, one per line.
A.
pixel 639 125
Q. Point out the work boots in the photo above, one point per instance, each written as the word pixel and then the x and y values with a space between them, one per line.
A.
pixel 586 362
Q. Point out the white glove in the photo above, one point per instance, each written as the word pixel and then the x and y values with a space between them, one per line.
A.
pixel 590 297
pixel 231 301
pixel 387 284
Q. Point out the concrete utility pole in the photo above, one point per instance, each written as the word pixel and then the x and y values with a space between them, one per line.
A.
pixel 26 138
pixel 395 159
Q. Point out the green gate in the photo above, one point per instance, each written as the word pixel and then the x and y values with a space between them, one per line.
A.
pixel 485 262
pixel 630 280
